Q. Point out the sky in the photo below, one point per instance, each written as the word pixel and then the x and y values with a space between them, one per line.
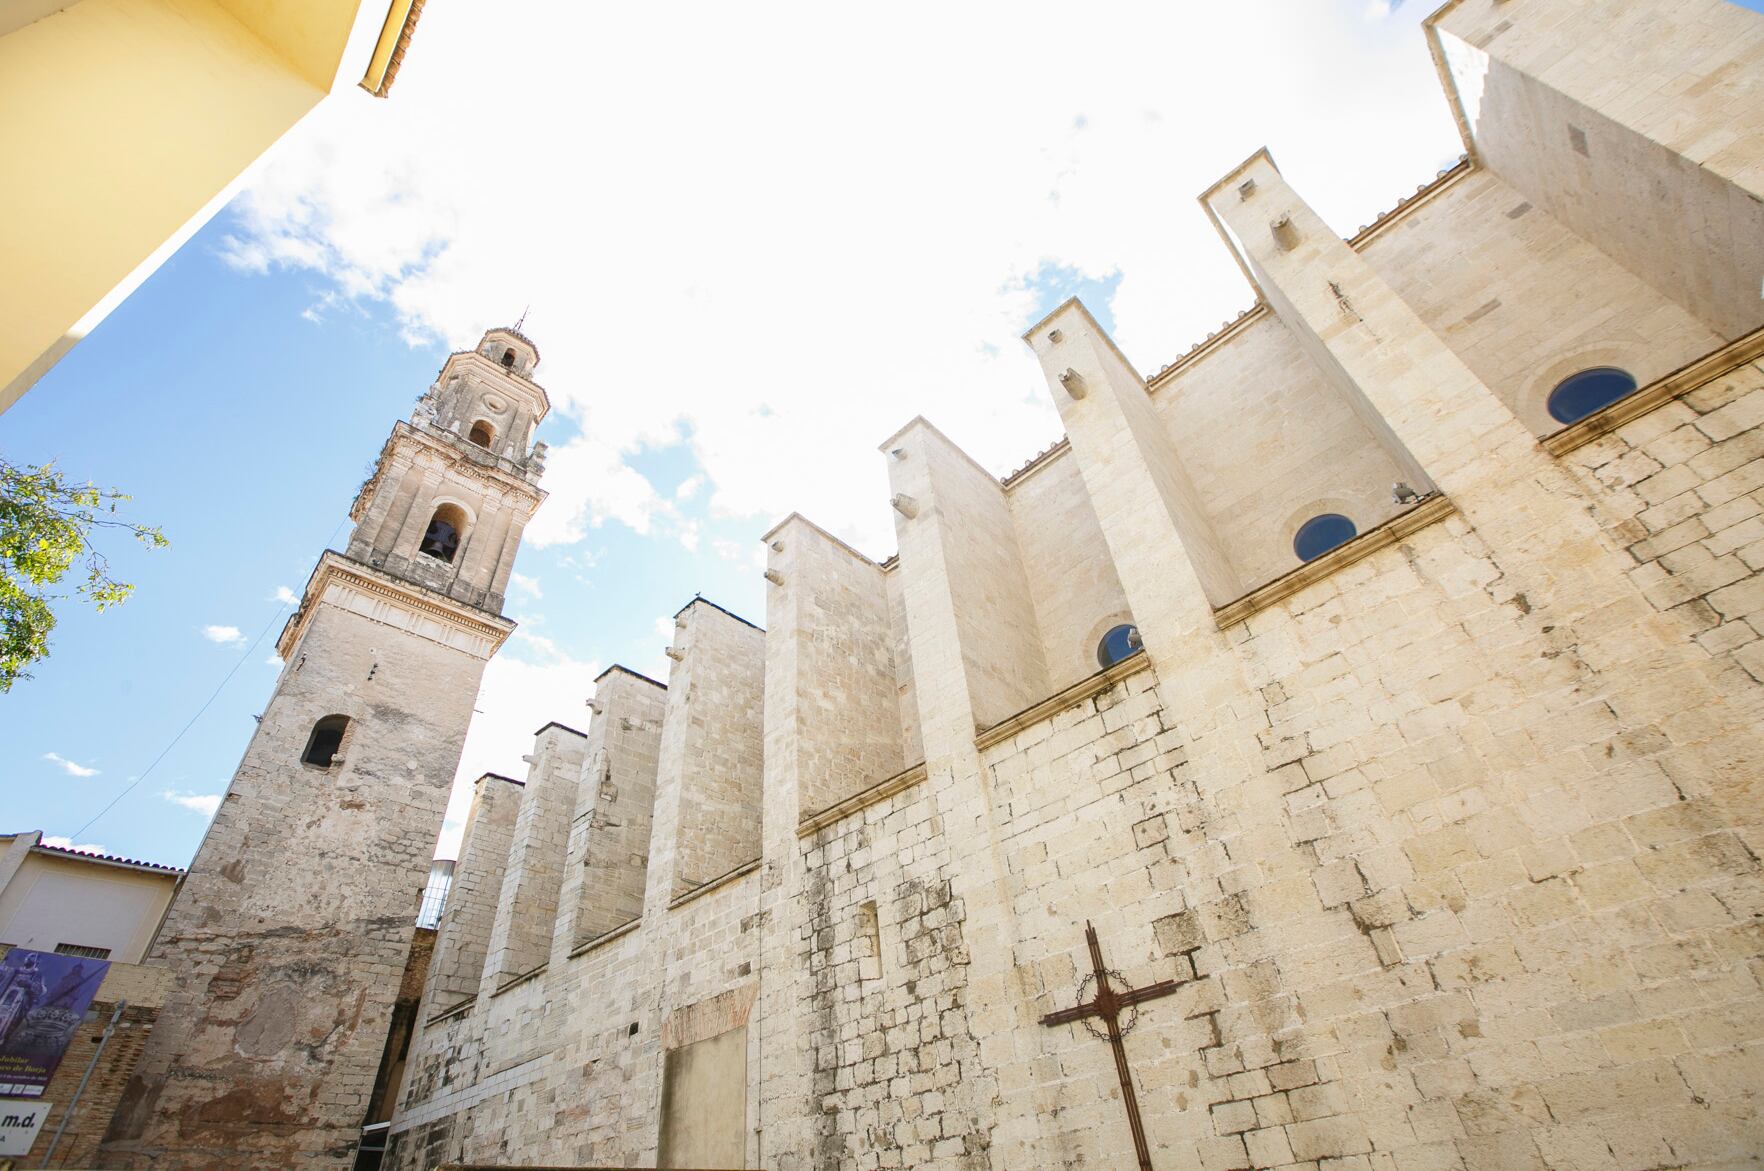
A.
pixel 750 244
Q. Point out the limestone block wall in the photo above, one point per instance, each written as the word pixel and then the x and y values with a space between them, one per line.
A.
pixel 1559 306
pixel 912 741
pixel 970 556
pixel 265 945
pixel 527 905
pixel 609 835
pixel 1453 852
pixel 1073 586
pixel 462 937
pixel 832 701
pixel 1682 489
pixel 565 1068
pixel 896 1078
pixel 1633 125
pixel 1396 937
pixel 710 760
pixel 1269 444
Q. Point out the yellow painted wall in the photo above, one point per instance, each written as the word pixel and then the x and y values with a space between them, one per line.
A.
pixel 121 121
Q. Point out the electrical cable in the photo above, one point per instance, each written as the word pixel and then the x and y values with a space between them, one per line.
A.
pixel 279 615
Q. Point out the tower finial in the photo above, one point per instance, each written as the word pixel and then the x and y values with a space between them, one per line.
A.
pixel 522 320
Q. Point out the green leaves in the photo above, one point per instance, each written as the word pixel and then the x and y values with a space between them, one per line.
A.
pixel 46 526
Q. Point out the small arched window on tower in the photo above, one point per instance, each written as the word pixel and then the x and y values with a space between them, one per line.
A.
pixel 326 739
pixel 1322 533
pixel 508 357
pixel 1121 642
pixel 482 434
pixel 1579 395
pixel 446 528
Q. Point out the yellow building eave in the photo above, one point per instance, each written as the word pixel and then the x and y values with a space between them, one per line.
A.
pixel 395 34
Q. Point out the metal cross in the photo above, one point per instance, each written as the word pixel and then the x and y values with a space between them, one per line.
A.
pixel 1106 1005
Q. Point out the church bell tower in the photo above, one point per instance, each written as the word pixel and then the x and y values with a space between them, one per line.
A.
pixel 288 939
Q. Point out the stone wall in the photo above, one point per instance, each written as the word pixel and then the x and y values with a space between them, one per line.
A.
pixel 287 970
pixel 972 557
pixel 1450 846
pixel 528 903
pixel 1560 306
pixel 1626 122
pixel 1682 488
pixel 912 741
pixel 835 683
pixel 711 746
pixel 462 939
pixel 609 838
pixel 1270 443
pixel 1076 595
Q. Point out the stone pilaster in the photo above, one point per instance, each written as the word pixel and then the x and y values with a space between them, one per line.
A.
pixel 527 907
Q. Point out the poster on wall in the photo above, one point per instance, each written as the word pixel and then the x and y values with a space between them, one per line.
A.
pixel 43 999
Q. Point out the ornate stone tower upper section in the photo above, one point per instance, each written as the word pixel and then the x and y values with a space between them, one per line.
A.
pixel 455 486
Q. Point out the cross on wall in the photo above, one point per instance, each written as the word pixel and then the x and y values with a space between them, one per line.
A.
pixel 1106 1005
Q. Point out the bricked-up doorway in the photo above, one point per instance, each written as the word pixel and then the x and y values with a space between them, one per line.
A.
pixel 704 1103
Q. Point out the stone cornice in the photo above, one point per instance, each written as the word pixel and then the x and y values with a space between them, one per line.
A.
pixel 1059 701
pixel 458 455
pixel 716 883
pixel 460 1009
pixel 338 578
pixel 1434 508
pixel 517 981
pixel 881 790
pixel 605 937
pixel 1656 394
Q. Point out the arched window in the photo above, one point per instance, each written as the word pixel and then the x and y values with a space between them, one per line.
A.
pixel 508 358
pixel 445 530
pixel 1121 642
pixel 1579 395
pixel 482 434
pixel 1322 533
pixel 326 739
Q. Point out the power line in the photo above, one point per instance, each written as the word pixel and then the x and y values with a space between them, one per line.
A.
pixel 281 611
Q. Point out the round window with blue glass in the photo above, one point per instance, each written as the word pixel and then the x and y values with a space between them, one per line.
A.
pixel 1322 533
pixel 1122 642
pixel 1579 395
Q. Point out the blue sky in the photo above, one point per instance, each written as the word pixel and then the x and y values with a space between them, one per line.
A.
pixel 735 300
pixel 243 428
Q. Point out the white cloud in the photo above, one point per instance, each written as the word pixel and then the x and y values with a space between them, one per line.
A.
pixel 529 585
pixel 224 635
pixel 779 283
pixel 274 662
pixel 61 843
pixel 203 803
pixel 69 767
pixel 517 698
pixel 286 596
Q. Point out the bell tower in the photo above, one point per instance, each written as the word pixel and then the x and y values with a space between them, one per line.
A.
pixel 455 486
pixel 288 939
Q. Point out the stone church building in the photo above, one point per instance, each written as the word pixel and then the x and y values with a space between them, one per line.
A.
pixel 1342 750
